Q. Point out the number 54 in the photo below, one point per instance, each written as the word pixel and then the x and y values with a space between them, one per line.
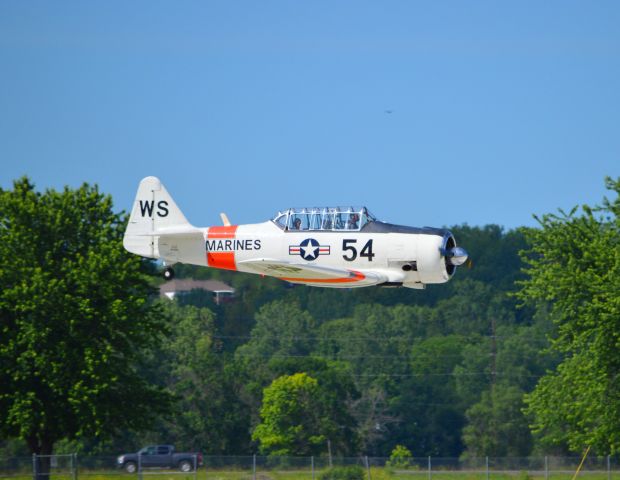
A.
pixel 348 245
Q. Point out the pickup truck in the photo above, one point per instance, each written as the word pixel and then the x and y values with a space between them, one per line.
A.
pixel 159 456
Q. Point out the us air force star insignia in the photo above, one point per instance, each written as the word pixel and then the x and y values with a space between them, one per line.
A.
pixel 309 249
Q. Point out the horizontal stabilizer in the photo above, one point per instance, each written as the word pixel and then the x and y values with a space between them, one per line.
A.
pixel 172 231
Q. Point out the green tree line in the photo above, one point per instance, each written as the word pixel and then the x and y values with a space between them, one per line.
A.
pixel 517 355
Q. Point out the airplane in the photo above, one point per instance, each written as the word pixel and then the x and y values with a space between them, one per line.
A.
pixel 337 247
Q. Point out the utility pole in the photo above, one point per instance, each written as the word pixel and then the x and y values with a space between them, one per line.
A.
pixel 493 355
pixel 493 379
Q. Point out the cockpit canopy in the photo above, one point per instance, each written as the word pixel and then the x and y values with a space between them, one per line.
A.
pixel 324 218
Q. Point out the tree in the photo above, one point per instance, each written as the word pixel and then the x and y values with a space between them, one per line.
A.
pixel 338 394
pixel 282 328
pixel 295 419
pixel 574 266
pixel 496 426
pixel 432 412
pixel 494 253
pixel 208 415
pixel 376 341
pixel 75 319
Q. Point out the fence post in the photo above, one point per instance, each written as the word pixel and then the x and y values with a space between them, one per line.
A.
pixel 195 466
pixel 74 472
pixel 34 466
pixel 140 466
pixel 546 467
pixel 608 467
pixel 329 452
pixel 487 462
pixel 254 466
pixel 367 467
pixel 312 464
pixel 430 474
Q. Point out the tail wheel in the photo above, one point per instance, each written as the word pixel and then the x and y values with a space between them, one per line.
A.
pixel 168 273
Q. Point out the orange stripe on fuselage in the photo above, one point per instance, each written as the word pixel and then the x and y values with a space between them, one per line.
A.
pixel 357 276
pixel 224 260
pixel 223 231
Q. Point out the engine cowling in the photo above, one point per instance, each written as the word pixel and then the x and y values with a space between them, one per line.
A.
pixel 438 257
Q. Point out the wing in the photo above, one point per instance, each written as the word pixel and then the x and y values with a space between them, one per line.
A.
pixel 311 274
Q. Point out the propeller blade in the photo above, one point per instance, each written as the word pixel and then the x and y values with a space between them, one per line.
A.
pixel 457 256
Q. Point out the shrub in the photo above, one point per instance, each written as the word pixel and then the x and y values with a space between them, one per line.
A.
pixel 400 457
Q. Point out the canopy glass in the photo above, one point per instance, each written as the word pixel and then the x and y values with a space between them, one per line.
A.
pixel 323 218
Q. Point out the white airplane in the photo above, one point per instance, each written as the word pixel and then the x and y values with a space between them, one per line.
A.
pixel 327 247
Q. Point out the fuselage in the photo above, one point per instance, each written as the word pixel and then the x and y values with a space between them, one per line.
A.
pixel 404 255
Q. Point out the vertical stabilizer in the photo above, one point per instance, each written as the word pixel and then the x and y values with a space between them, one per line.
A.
pixel 153 212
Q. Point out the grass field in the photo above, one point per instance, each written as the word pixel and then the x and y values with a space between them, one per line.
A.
pixel 376 473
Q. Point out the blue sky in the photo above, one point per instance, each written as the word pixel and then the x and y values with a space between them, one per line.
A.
pixel 429 113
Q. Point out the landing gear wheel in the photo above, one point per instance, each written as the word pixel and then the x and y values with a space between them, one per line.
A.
pixel 168 273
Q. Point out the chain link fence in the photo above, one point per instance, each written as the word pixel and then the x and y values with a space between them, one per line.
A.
pixel 253 467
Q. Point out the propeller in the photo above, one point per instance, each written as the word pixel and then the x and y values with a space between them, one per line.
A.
pixel 453 255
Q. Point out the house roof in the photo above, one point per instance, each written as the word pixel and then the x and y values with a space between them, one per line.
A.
pixel 187 285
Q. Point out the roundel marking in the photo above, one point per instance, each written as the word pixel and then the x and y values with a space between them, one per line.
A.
pixel 309 249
